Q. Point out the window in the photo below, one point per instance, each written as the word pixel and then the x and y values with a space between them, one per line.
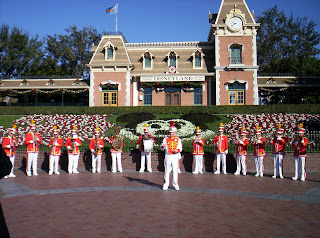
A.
pixel 197 96
pixel 147 60
pixel 197 59
pixel 110 53
pixel 147 96
pixel 110 98
pixel 236 93
pixel 236 53
pixel 172 57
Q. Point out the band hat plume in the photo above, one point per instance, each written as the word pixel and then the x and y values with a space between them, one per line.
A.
pixel 221 127
pixel 13 129
pixel 33 125
pixel 301 129
pixel 55 130
pixel 145 129
pixel 172 128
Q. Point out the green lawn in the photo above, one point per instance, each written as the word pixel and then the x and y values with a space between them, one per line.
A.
pixel 6 121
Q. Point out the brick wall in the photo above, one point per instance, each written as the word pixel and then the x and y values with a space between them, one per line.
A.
pixel 131 162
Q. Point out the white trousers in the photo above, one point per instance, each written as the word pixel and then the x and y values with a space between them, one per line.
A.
pixel 221 158
pixel 116 159
pixel 96 163
pixel 73 163
pixel 258 160
pixel 171 163
pixel 300 161
pixel 54 163
pixel 278 160
pixel 198 163
pixel 145 155
pixel 32 161
pixel 241 162
pixel 12 162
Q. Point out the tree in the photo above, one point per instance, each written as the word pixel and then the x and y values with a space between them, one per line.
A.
pixel 287 45
pixel 19 53
pixel 68 54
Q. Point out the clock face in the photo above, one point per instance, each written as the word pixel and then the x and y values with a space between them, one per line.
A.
pixel 235 23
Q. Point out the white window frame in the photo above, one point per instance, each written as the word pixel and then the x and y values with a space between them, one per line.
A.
pixel 194 59
pixel 177 57
pixel 143 60
pixel 109 44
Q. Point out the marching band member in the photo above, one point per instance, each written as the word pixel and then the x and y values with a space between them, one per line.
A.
pixel 172 146
pixel 300 154
pixel 258 151
pixel 278 143
pixel 116 150
pixel 32 140
pixel 198 153
pixel 221 143
pixel 73 142
pixel 56 142
pixel 242 145
pixel 96 145
pixel 9 145
pixel 145 143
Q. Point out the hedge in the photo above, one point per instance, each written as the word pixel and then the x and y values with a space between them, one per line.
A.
pixel 245 109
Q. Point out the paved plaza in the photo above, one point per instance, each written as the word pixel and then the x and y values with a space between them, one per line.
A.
pixel 132 204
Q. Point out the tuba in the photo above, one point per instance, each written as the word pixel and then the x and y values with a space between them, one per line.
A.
pixel 117 139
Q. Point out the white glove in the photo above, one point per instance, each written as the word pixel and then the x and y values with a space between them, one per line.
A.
pixel 259 141
pixel 226 151
pixel 77 144
pixel 9 146
pixel 279 138
pixel 302 141
pixel 92 150
pixel 69 147
pixel 56 144
pixel 31 142
pixel 100 146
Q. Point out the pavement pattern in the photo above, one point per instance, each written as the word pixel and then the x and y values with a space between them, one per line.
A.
pixel 132 204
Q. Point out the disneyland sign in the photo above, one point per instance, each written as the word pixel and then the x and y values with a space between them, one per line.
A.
pixel 169 78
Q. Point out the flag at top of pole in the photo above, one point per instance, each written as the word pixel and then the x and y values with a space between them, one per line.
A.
pixel 114 10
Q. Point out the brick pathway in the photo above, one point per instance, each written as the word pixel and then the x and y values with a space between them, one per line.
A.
pixel 133 205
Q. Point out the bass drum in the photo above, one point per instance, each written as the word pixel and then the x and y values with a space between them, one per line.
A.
pixel 147 146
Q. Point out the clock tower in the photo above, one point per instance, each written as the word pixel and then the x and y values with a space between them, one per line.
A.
pixel 233 31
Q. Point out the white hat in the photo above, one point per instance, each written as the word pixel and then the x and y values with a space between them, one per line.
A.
pixel 221 127
pixel 97 132
pixel 198 131
pixel 172 128
pixel 145 129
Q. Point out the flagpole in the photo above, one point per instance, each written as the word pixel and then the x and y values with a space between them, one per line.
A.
pixel 117 18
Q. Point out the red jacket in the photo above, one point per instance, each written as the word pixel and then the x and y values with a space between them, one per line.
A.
pixel 92 145
pixel 222 144
pixel 278 145
pixel 258 147
pixel 140 142
pixel 56 148
pixel 300 148
pixel 8 149
pixel 242 146
pixel 76 150
pixel 32 141
pixel 198 146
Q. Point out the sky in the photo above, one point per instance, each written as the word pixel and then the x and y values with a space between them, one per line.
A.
pixel 138 20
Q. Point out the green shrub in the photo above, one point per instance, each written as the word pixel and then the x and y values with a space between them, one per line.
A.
pixel 200 119
pixel 133 119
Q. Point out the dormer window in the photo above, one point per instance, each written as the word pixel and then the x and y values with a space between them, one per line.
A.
pixel 235 53
pixel 173 59
pixel 147 59
pixel 110 51
pixel 197 59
